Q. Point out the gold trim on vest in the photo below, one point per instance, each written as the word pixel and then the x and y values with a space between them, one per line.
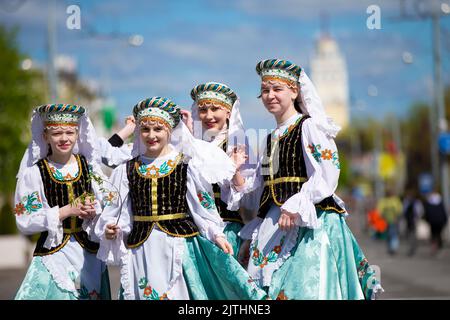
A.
pixel 160 218
pixel 72 229
pixel 285 179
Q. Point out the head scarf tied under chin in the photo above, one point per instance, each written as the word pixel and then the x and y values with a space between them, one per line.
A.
pixel 54 115
pixel 309 100
pixel 210 161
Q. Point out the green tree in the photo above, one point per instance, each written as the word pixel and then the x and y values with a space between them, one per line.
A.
pixel 417 140
pixel 20 91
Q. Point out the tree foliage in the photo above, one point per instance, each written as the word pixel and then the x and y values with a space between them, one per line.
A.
pixel 19 93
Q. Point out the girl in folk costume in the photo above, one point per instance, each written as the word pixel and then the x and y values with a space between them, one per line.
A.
pixel 216 119
pixel 57 197
pixel 299 244
pixel 163 232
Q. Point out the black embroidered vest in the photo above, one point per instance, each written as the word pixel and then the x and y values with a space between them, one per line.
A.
pixel 159 199
pixel 284 170
pixel 224 213
pixel 60 193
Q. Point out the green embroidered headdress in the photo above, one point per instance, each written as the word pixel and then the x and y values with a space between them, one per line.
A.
pixel 281 70
pixel 157 109
pixel 60 114
pixel 214 93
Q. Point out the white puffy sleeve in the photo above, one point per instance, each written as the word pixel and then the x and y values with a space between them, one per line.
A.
pixel 113 156
pixel 202 207
pixel 116 202
pixel 322 167
pixel 32 211
pixel 253 185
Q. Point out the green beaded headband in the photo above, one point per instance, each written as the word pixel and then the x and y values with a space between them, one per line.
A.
pixel 158 108
pixel 214 92
pixel 61 114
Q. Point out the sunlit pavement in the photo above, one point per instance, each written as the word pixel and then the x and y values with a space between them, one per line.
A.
pixel 421 276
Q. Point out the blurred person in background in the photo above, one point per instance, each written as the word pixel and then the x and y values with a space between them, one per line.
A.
pixel 411 214
pixel 436 216
pixel 390 208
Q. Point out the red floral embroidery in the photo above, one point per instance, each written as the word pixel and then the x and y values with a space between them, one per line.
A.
pixel 148 291
pixel 264 263
pixel 19 209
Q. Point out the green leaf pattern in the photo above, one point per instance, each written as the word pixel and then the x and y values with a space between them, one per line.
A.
pixel 206 200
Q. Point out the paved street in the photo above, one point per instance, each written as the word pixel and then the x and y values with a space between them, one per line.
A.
pixel 419 277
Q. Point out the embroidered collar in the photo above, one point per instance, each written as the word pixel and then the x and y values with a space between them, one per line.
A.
pixel 286 127
pixel 159 167
pixel 57 170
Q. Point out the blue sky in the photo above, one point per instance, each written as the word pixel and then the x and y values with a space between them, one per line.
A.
pixel 190 42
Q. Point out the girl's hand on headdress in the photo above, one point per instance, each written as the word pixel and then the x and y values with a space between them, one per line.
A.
pixel 223 244
pixel 187 119
pixel 130 121
pixel 112 231
pixel 128 129
pixel 287 220
pixel 238 156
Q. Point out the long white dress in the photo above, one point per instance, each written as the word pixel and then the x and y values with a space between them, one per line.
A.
pixel 298 264
pixel 71 272
pixel 157 269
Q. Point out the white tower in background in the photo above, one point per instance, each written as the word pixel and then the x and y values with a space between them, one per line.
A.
pixel 329 75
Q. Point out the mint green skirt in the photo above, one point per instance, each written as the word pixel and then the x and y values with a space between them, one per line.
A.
pixel 211 274
pixel 38 284
pixel 231 232
pixel 326 263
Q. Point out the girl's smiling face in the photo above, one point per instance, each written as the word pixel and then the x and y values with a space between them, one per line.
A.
pixel 155 136
pixel 213 117
pixel 277 96
pixel 61 139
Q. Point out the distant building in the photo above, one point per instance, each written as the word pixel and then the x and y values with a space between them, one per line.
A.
pixel 329 75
